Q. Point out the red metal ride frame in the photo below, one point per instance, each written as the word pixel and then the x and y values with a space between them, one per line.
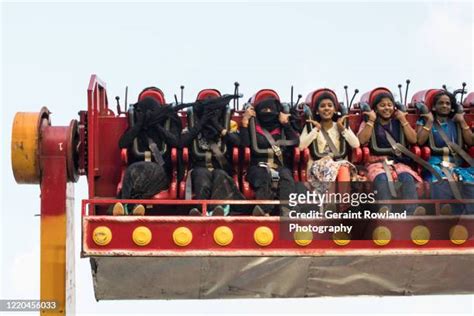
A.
pixel 104 131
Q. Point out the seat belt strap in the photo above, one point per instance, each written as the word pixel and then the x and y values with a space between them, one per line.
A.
pixel 276 149
pixel 332 146
pixel 452 184
pixel 453 147
pixel 391 184
pixel 156 152
pixel 399 148
pixel 219 155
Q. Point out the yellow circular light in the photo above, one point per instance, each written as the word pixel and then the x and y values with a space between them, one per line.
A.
pixel 341 238
pixel 102 235
pixel 223 235
pixel 141 236
pixel 458 234
pixel 381 236
pixel 263 236
pixel 420 235
pixel 303 238
pixel 182 236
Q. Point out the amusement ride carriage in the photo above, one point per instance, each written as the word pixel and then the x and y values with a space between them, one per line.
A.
pixel 166 256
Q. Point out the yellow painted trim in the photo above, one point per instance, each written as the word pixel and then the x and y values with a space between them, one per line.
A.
pixel 25 146
pixel 53 262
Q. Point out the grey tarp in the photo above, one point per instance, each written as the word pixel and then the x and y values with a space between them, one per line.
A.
pixel 290 276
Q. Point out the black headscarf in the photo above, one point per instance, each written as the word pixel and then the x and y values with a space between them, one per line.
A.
pixel 214 107
pixel 268 119
pixel 154 114
pixel 209 131
pixel 142 129
pixel 147 105
pixel 157 113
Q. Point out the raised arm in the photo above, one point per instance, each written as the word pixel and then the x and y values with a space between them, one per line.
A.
pixel 290 133
pixel 172 137
pixel 409 132
pixel 423 128
pixel 231 139
pixel 188 136
pixel 350 138
pixel 366 129
pixel 244 130
pixel 466 130
pixel 347 133
pixel 192 133
pixel 307 138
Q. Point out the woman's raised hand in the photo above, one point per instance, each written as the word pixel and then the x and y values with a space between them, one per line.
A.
pixel 250 112
pixel 372 116
pixel 284 118
pixel 315 124
pixel 341 123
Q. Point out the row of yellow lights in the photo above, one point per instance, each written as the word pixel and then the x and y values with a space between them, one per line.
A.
pixel 263 236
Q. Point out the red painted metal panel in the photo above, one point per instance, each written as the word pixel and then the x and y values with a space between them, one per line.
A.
pixel 54 147
pixel 96 105
pixel 105 130
pixel 54 235
pixel 243 229
pixel 109 161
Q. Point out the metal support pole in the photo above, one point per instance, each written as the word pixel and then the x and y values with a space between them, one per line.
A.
pixel 57 236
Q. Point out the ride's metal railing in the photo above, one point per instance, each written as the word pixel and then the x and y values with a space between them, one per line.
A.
pixel 89 204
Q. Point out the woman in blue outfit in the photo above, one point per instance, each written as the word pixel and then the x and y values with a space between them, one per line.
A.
pixel 445 131
pixel 384 121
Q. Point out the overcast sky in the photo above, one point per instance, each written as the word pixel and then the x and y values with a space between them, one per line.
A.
pixel 49 50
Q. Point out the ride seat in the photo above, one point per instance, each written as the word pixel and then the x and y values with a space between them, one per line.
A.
pixel 372 149
pixel 353 154
pixel 247 191
pixel 426 98
pixel 172 192
pixel 197 151
pixel 469 109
